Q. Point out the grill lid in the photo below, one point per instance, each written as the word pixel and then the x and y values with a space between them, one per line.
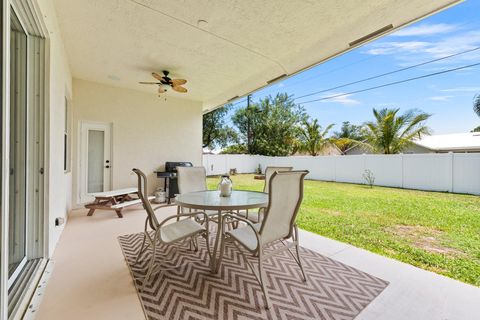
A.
pixel 171 166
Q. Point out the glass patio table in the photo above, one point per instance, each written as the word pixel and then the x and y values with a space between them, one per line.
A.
pixel 211 200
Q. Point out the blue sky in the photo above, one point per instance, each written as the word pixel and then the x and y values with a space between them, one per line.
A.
pixel 447 97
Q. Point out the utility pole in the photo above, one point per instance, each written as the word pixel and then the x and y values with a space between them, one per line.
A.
pixel 249 135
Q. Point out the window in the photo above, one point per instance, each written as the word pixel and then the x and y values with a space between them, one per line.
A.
pixel 66 139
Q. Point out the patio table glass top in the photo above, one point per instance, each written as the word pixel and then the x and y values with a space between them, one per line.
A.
pixel 211 200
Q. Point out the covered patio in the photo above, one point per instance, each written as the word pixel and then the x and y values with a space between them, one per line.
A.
pixel 101 287
pixel 72 73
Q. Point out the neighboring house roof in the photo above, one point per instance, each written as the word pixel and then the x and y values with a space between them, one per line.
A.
pixel 208 151
pixel 445 142
pixel 451 142
pixel 354 147
pixel 329 150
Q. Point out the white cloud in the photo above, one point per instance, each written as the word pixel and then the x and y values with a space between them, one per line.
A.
pixel 440 98
pixel 462 89
pixel 425 30
pixel 413 52
pixel 344 99
pixel 387 48
pixel 465 41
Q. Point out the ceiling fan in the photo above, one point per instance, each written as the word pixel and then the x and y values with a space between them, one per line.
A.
pixel 165 82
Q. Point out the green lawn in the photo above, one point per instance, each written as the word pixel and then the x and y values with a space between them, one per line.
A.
pixel 435 231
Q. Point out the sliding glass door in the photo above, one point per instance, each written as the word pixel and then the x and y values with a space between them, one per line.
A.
pixel 17 237
pixel 22 224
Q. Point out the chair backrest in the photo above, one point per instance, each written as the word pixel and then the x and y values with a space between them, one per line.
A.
pixel 191 179
pixel 142 194
pixel 284 200
pixel 268 174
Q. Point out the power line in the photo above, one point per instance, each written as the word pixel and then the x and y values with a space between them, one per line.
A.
pixel 349 64
pixel 234 104
pixel 327 72
pixel 391 83
pixel 379 76
pixel 389 73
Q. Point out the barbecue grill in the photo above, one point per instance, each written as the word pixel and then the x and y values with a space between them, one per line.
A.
pixel 170 177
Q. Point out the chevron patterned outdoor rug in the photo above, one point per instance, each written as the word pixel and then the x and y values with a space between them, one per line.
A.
pixel 333 290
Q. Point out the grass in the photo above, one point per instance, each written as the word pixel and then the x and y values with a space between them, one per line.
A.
pixel 435 231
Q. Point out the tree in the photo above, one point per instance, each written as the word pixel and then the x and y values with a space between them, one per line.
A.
pixel 348 136
pixel 477 129
pixel 274 124
pixel 235 149
pixel 313 138
pixel 391 133
pixel 215 131
pixel 476 104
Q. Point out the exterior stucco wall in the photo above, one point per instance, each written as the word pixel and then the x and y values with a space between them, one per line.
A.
pixel 58 192
pixel 146 130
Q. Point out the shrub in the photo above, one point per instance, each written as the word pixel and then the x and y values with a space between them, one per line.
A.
pixel 369 177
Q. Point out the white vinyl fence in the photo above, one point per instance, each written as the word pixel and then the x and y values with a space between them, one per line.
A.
pixel 451 172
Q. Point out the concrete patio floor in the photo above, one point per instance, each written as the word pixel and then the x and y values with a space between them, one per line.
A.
pixel 90 279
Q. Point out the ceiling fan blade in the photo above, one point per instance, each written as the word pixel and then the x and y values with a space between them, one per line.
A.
pixel 178 82
pixel 157 76
pixel 162 90
pixel 179 89
pixel 148 82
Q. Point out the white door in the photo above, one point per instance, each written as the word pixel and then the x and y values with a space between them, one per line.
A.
pixel 95 159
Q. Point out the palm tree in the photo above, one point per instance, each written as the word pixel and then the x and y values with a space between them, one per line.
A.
pixel 391 133
pixel 312 138
pixel 476 104
pixel 348 136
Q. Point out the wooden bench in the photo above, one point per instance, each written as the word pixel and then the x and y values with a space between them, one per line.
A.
pixel 130 203
pixel 115 200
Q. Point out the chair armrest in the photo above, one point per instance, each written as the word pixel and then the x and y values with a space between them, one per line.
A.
pixel 164 206
pixel 229 215
pixel 176 216
pixel 248 222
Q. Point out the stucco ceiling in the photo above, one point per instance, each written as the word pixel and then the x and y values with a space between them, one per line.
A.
pixel 242 46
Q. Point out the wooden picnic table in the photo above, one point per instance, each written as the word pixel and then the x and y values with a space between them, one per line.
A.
pixel 114 200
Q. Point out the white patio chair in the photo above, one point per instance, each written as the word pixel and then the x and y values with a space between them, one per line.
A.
pixel 278 225
pixel 268 174
pixel 256 215
pixel 167 233
pixel 193 179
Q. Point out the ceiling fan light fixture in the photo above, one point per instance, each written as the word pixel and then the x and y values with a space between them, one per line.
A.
pixel 164 86
pixel 165 83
